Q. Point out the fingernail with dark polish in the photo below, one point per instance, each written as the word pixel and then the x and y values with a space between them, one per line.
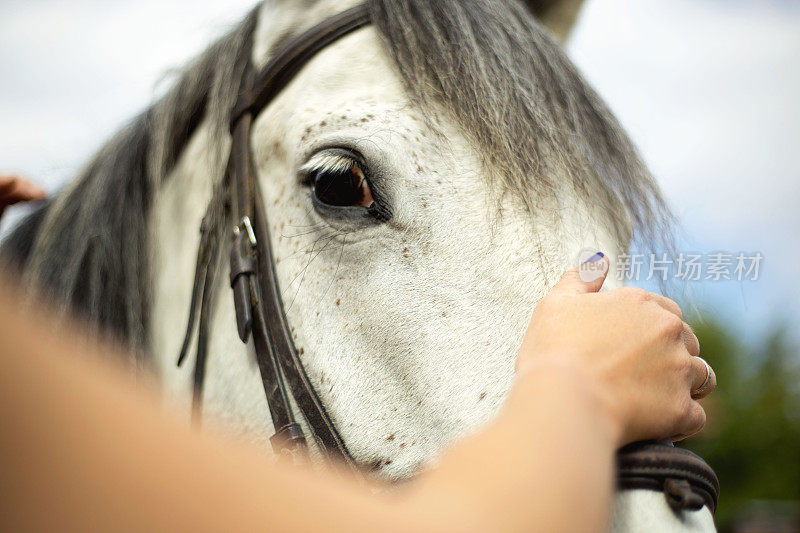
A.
pixel 596 257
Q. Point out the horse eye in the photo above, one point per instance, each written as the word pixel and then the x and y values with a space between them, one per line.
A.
pixel 347 187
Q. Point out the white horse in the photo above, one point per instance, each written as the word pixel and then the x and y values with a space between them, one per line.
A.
pixel 496 161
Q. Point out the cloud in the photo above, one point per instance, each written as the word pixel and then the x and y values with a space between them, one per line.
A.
pixel 707 89
pixel 74 72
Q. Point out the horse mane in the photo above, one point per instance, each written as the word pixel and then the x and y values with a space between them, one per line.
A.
pixel 527 109
pixel 485 62
pixel 86 249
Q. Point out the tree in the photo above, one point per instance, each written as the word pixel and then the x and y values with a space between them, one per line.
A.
pixel 752 438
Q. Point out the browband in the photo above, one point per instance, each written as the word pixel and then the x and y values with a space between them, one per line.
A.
pixel 293 56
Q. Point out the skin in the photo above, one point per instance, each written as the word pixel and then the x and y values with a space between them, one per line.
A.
pixel 94 451
pixel 14 189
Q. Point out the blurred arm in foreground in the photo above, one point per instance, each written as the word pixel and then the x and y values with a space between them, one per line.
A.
pixel 82 447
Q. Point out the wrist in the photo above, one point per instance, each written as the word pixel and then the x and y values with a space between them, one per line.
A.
pixel 557 378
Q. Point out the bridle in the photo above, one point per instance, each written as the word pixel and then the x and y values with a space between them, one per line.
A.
pixel 258 304
pixel 257 300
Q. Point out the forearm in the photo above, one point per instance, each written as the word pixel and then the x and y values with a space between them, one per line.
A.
pixel 546 461
pixel 82 447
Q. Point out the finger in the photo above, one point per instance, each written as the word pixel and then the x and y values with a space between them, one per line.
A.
pixel 704 380
pixel 690 340
pixel 667 304
pixel 693 422
pixel 28 192
pixel 14 189
pixel 588 277
pixel 6 184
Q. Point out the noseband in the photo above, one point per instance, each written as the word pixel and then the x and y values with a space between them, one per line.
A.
pixel 259 308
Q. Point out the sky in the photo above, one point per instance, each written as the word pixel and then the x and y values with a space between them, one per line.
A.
pixel 707 89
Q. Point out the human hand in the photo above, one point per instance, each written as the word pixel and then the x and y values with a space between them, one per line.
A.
pixel 14 190
pixel 631 347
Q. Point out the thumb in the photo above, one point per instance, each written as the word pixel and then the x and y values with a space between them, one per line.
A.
pixel 588 277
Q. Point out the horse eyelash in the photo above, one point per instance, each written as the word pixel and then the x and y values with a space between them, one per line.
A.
pixel 328 162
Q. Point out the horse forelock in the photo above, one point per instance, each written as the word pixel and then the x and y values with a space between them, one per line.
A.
pixel 534 119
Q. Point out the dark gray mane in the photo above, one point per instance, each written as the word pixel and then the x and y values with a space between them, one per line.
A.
pixel 86 248
pixel 486 62
pixel 511 87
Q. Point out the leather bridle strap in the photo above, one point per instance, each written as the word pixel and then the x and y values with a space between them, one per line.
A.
pixel 288 61
pixel 684 477
pixel 258 303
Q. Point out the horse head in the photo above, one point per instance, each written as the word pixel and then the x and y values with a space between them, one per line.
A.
pixel 487 164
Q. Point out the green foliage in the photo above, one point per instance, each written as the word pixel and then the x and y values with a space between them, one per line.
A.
pixel 752 438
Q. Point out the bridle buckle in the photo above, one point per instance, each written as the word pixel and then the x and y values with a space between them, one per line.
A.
pixel 243 267
pixel 247 226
